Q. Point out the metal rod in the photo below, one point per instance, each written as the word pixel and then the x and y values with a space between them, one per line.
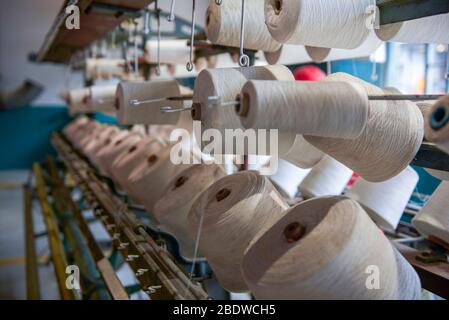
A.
pixel 136 102
pixel 158 17
pixel 189 65
pixel 412 97
pixel 392 11
pixel 171 110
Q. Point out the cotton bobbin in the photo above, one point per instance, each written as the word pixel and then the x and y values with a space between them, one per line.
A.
pixel 130 159
pixel 172 209
pixel 329 24
pixel 387 145
pixel 151 177
pixel 228 216
pixel 437 124
pixel 148 98
pixel 386 201
pixel 325 109
pixel 329 177
pixel 431 29
pixel 433 219
pixel 227 83
pixel 308 253
pixel 223 25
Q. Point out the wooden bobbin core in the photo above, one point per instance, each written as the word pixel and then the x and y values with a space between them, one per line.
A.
pixel 242 108
pixel 277 5
pixel 132 149
pixel 294 232
pixel 180 181
pixel 196 111
pixel 152 159
pixel 222 194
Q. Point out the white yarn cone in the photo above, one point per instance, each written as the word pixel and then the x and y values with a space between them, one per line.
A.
pixel 148 181
pixel 431 29
pixel 223 25
pixel 288 54
pixel 172 51
pixel 433 219
pixel 326 248
pixel 327 24
pixel 104 68
pixel 329 177
pixel 77 99
pixel 369 46
pixel 229 215
pixel 227 84
pixel 386 201
pixel 325 109
pixel 120 143
pixel 439 115
pixel 149 112
pixel 288 177
pixel 172 209
pixel 387 145
pixel 102 98
pixel 137 153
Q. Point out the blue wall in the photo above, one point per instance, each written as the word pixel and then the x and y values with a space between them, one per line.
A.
pixel 25 134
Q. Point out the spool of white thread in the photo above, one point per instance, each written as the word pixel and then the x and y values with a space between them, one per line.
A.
pixel 70 129
pixel 327 24
pixel 324 109
pixel 172 209
pixel 172 51
pixel 303 154
pixel 120 143
pixel 229 215
pixel 439 132
pixel 83 136
pixel 288 177
pixel 433 219
pixel 369 46
pixel 136 154
pixel 387 145
pixel 227 84
pixel 77 99
pixel 94 147
pixel 102 98
pixel 386 201
pixel 223 25
pixel 148 181
pixel 328 178
pixel 323 248
pixel 425 30
pixel 104 68
pixel 148 113
pixel 288 54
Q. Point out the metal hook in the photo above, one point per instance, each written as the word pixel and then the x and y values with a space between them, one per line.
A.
pixel 189 65
pixel 243 59
pixel 218 2
pixel 136 55
pixel 171 17
pixel 158 17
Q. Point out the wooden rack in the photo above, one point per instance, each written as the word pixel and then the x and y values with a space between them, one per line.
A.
pixel 97 19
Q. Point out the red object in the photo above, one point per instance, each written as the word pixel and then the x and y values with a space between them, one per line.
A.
pixel 309 73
